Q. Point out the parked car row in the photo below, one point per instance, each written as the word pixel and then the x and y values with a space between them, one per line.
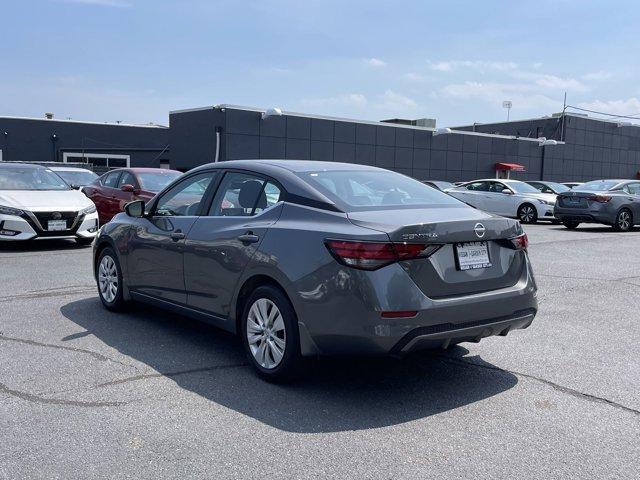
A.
pixel 609 202
pixel 44 202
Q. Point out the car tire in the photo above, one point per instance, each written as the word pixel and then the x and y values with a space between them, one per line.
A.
pixel 624 220
pixel 571 225
pixel 271 339
pixel 84 241
pixel 109 280
pixel 527 213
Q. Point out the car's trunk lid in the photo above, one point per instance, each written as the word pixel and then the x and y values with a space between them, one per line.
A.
pixel 576 199
pixel 440 275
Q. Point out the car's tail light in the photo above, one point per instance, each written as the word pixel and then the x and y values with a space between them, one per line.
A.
pixel 374 255
pixel 599 198
pixel 521 242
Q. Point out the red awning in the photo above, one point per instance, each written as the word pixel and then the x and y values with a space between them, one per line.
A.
pixel 514 167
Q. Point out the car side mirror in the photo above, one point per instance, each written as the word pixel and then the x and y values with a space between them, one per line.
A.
pixel 75 187
pixel 135 209
pixel 127 187
pixel 507 191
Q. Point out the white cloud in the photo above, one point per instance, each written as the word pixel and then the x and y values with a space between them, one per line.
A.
pixel 629 107
pixel 375 62
pixel 479 65
pixel 346 100
pixel 558 83
pixel 598 76
pixel 391 99
pixel 101 3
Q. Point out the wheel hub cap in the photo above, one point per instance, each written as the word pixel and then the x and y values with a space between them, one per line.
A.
pixel 266 333
pixel 624 220
pixel 108 279
pixel 527 214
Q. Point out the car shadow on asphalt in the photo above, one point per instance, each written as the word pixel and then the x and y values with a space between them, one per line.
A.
pixel 338 394
pixel 41 246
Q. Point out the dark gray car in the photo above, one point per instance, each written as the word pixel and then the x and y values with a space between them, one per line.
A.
pixel 304 258
pixel 610 202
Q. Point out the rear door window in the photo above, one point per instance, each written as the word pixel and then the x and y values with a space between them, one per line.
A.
pixel 634 188
pixel 243 195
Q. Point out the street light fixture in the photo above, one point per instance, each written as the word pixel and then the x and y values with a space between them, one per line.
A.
pixel 507 104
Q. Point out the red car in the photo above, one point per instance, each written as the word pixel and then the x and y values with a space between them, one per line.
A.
pixel 114 189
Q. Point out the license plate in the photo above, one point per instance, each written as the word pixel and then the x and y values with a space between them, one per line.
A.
pixel 472 255
pixel 54 225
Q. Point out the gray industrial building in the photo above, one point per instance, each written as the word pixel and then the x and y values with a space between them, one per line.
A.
pixel 103 145
pixel 582 148
pixel 412 150
pixel 578 148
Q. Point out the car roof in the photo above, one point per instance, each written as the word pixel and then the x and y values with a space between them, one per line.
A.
pixel 503 180
pixel 69 169
pixel 618 180
pixel 18 164
pixel 295 166
pixel 142 169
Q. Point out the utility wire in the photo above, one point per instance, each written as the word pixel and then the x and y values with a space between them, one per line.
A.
pixel 635 116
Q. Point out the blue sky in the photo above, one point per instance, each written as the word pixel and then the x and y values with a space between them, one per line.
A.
pixel 134 60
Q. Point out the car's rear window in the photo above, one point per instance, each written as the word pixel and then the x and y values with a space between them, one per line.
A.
pixel 370 189
pixel 156 181
pixel 597 186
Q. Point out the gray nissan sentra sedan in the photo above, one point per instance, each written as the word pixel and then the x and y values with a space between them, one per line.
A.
pixel 306 258
pixel 610 202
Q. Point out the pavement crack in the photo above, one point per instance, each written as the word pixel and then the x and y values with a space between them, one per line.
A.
pixel 51 292
pixel 29 397
pixel 573 240
pixel 591 279
pixel 561 388
pixel 146 376
pixel 95 355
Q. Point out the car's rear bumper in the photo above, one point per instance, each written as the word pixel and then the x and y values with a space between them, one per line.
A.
pixel 585 215
pixel 347 323
pixel 27 227
pixel 445 334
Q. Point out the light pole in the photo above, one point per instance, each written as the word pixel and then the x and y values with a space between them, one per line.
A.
pixel 507 104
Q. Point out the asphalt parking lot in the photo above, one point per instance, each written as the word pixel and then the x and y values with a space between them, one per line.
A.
pixel 85 393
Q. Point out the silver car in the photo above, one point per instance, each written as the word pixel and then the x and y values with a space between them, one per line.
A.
pixel 304 258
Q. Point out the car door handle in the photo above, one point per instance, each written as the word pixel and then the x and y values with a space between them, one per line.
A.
pixel 177 235
pixel 249 238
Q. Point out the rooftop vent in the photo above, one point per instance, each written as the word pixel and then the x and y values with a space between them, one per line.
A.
pixel 419 122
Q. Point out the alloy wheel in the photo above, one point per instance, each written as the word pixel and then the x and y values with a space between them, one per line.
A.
pixel 624 220
pixel 108 278
pixel 266 333
pixel 527 214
